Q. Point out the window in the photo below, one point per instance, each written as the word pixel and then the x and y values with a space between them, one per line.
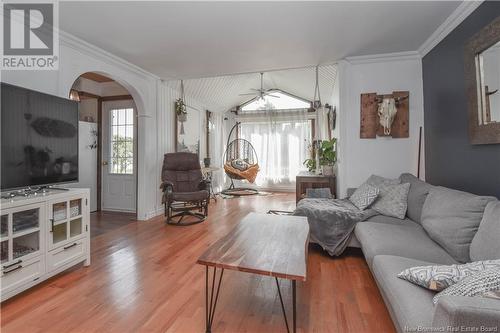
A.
pixel 280 129
pixel 276 100
pixel 122 141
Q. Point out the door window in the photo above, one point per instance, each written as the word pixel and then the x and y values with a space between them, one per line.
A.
pixel 122 141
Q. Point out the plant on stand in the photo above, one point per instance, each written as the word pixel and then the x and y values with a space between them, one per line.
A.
pixel 311 163
pixel 328 156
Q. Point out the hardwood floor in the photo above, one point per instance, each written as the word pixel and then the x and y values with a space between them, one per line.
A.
pixel 144 278
pixel 103 221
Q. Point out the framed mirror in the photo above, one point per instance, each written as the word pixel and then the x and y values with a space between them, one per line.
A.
pixel 188 131
pixel 482 74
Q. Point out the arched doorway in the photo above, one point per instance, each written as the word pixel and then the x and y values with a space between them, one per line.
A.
pixel 109 145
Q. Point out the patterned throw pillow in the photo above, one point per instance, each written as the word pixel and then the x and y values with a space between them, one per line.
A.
pixel 440 277
pixel 392 200
pixel 475 285
pixel 364 196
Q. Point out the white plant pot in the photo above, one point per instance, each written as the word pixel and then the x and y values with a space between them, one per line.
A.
pixel 327 170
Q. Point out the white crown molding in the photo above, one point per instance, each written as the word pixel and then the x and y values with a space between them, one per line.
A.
pixel 372 58
pixel 87 48
pixel 457 17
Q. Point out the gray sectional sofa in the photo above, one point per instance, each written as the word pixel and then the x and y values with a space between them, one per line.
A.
pixel 391 245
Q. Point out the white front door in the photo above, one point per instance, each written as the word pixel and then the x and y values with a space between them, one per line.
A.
pixel 119 166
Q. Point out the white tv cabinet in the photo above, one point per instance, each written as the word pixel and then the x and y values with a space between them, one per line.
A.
pixel 42 235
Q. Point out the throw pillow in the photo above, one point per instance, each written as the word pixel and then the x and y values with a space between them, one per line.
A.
pixel 392 201
pixel 451 218
pixel 364 196
pixel 485 244
pixel 474 285
pixel 440 277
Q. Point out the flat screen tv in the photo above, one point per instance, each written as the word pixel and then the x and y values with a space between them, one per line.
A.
pixel 39 139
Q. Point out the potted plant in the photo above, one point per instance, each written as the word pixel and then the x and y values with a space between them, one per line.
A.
pixel 328 156
pixel 310 163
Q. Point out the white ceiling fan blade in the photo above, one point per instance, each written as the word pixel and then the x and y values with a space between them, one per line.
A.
pixel 249 94
pixel 273 96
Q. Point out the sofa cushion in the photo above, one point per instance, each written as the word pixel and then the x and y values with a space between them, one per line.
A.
pixel 406 240
pixel 451 218
pixel 485 244
pixel 392 200
pixel 391 220
pixel 416 196
pixel 410 306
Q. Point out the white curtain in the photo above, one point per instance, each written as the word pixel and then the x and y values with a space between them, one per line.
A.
pixel 217 147
pixel 280 139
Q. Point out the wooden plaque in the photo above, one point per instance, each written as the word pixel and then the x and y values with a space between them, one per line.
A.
pixel 370 126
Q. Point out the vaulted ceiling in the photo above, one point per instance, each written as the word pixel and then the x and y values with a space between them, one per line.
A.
pixel 203 39
pixel 222 93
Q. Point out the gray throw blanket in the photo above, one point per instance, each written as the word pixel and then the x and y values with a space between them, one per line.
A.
pixel 331 221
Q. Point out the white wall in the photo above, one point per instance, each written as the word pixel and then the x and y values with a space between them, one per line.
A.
pixel 166 128
pixel 87 171
pixel 359 158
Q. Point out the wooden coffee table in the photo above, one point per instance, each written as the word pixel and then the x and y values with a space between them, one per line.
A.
pixel 263 244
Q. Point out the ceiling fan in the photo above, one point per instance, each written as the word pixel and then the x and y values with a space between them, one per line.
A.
pixel 260 93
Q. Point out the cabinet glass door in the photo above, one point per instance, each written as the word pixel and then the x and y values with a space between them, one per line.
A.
pixel 26 244
pixel 75 227
pixel 4 251
pixel 66 221
pixel 20 233
pixel 4 226
pixel 75 208
pixel 60 211
pixel 25 220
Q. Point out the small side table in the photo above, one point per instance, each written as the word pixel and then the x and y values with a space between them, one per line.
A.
pixel 305 180
pixel 207 175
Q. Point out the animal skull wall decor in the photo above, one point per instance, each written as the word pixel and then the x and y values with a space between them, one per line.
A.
pixel 387 111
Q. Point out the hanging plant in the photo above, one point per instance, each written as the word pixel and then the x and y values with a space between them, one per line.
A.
pixel 180 110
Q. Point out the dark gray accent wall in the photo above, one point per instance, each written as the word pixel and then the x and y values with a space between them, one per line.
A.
pixel 450 160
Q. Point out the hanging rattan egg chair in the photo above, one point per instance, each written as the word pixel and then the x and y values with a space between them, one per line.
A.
pixel 240 163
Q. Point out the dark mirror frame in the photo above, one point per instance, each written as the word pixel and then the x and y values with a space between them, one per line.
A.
pixel 481 41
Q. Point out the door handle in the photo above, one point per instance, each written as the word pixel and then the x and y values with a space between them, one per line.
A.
pixel 105 163
pixel 13 269
pixel 70 246
pixel 13 264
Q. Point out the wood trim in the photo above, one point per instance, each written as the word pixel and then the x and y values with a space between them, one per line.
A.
pixel 96 77
pixel 116 98
pixel 89 95
pixel 105 98
pixel 208 115
pixel 485 38
pixel 99 153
